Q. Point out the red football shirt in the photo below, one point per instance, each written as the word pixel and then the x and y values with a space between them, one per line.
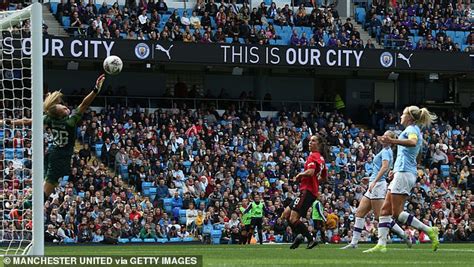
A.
pixel 315 161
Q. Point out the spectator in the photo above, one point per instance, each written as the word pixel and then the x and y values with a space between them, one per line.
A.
pixel 147 232
pixel 51 235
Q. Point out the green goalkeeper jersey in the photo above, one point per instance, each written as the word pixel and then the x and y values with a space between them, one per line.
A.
pixel 64 131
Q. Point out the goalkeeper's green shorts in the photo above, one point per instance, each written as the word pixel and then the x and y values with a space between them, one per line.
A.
pixel 57 164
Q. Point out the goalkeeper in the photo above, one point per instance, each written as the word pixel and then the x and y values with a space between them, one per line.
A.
pixel 63 124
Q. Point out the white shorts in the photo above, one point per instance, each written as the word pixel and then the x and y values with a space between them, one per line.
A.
pixel 402 183
pixel 379 191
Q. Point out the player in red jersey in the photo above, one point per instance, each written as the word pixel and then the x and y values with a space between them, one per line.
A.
pixel 315 171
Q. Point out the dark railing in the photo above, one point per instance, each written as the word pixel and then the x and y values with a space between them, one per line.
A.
pixel 195 103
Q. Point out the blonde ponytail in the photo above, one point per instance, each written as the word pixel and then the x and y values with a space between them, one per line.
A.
pixel 426 117
pixel 422 117
pixel 52 99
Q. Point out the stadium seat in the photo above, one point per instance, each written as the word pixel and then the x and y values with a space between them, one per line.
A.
pixel 123 240
pixel 9 152
pixel 360 15
pixel 458 40
pixel 444 170
pixel 417 38
pixel 207 229
pixel 175 239
pixel 165 17
pixel 19 152
pixel 64 180
pixel 213 23
pixel 161 240
pixel 182 216
pixel 451 34
pixel 326 38
pixel 188 239
pixel 459 34
pixel 149 240
pixel 187 165
pixel 146 185
pixel 98 150
pixel 69 240
pixel 216 236
pixel 167 202
pixel 466 34
pixel 281 42
pixel 66 22
pixel 81 194
pixel 124 170
pixel 54 7
pixel 136 240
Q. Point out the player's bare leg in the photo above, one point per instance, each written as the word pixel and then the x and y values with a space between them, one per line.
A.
pixel 365 206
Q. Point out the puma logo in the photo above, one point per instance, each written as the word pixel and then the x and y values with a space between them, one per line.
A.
pixel 166 51
pixel 407 60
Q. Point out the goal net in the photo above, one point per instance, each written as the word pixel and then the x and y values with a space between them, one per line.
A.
pixel 16 158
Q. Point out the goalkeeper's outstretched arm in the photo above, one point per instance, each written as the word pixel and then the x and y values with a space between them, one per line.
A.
pixel 91 96
pixel 16 122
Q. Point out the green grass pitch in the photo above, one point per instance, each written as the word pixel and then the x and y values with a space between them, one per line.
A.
pixel 281 255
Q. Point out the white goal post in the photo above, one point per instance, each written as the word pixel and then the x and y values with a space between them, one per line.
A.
pixel 21 85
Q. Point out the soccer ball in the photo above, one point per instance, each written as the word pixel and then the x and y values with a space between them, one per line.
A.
pixel 113 65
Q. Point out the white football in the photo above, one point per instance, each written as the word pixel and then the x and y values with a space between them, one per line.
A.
pixel 113 65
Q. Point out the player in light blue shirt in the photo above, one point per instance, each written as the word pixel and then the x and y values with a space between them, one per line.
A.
pixel 406 155
pixel 386 154
pixel 404 177
pixel 375 195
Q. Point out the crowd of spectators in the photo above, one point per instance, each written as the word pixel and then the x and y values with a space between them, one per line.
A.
pixel 203 164
pixel 210 22
pixel 409 25
pixel 422 25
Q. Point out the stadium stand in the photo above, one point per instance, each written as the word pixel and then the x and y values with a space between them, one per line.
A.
pixel 154 197
pixel 444 26
pixel 211 23
pixel 401 27
pixel 178 175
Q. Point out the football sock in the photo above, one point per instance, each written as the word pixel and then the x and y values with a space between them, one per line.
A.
pixel 384 228
pixel 358 227
pixel 397 229
pixel 409 219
